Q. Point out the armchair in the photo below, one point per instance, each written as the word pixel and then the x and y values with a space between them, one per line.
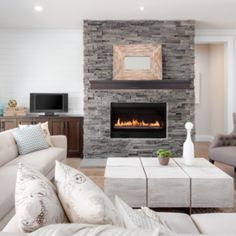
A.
pixel 223 148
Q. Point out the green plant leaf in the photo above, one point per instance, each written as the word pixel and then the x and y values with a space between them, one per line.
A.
pixel 163 153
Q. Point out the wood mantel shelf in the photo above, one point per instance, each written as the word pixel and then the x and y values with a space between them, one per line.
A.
pixel 141 84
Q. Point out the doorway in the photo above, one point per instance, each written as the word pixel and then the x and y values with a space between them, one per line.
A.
pixel 210 81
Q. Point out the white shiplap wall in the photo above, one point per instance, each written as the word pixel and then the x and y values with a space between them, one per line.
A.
pixel 41 61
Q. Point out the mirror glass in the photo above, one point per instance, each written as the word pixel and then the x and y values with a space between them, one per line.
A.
pixel 137 63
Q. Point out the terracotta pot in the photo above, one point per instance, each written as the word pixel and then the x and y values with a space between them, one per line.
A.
pixel 164 160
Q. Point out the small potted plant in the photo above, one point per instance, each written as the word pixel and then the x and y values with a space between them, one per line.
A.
pixel 163 156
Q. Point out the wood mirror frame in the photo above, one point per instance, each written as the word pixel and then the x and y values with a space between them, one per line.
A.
pixel 154 51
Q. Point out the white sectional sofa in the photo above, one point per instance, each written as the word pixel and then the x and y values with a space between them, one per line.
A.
pixel 197 224
pixel 214 224
pixel 43 160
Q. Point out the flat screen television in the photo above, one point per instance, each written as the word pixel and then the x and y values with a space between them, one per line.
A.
pixel 48 103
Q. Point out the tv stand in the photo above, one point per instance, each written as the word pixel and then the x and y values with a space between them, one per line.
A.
pixel 69 125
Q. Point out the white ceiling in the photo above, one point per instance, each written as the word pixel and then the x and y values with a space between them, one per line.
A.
pixel 209 14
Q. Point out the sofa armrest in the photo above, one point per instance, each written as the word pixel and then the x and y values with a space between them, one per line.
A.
pixel 224 140
pixel 59 141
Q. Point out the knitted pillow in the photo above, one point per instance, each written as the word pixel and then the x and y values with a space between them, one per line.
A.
pixel 46 132
pixel 29 139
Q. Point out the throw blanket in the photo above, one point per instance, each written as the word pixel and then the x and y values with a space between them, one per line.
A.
pixel 90 230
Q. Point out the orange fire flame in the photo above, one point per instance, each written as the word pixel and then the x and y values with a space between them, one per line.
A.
pixel 136 123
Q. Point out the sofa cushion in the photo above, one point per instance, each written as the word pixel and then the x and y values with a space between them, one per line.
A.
pixel 29 139
pixel 224 154
pixel 83 201
pixel 36 201
pixel 43 161
pixel 179 223
pixel 8 147
pixel 7 185
pixel 216 223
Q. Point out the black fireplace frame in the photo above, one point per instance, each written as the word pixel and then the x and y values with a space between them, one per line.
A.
pixel 139 133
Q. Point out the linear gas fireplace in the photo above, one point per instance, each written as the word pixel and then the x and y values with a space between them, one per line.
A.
pixel 138 120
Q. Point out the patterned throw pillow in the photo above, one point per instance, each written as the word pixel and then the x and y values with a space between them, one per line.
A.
pixel 29 139
pixel 36 202
pixel 144 218
pixel 46 132
pixel 83 200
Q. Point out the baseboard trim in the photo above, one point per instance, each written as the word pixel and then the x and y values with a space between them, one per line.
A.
pixel 204 138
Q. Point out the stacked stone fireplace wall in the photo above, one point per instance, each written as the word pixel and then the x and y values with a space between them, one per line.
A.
pixel 177 39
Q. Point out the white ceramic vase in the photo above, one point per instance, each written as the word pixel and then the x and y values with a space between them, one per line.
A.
pixel 188 147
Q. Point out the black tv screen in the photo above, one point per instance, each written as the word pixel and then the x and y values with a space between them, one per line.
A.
pixel 48 102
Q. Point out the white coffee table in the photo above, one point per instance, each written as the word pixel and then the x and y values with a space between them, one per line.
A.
pixel 210 186
pixel 125 177
pixel 166 187
pixel 143 182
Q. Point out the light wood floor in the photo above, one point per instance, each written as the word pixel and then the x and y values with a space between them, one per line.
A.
pixel 97 174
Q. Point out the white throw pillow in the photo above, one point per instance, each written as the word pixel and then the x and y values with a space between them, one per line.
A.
pixel 46 132
pixel 144 218
pixel 91 230
pixel 82 199
pixel 36 202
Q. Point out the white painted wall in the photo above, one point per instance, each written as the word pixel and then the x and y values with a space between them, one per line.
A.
pixel 209 65
pixel 52 61
pixel 41 61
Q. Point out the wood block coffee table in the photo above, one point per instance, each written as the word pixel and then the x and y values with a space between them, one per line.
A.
pixel 210 186
pixel 143 182
pixel 125 177
pixel 166 186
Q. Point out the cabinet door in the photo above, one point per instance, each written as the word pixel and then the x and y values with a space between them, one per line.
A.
pixel 8 123
pixel 58 127
pixel 74 133
pixel 25 121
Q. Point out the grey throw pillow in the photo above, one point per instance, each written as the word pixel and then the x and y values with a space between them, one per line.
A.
pixel 29 139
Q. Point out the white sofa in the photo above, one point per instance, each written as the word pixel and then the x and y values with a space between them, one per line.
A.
pixel 183 224
pixel 197 224
pixel 43 160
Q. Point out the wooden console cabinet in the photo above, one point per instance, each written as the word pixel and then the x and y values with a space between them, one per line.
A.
pixel 70 126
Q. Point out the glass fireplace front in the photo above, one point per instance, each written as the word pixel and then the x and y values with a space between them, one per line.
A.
pixel 138 120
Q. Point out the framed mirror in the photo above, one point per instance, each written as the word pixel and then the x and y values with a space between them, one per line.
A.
pixel 137 62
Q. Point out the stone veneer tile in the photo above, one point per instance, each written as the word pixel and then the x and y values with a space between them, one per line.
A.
pixel 177 39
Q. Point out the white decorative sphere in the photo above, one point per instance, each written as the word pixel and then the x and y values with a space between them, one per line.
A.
pixel 189 125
